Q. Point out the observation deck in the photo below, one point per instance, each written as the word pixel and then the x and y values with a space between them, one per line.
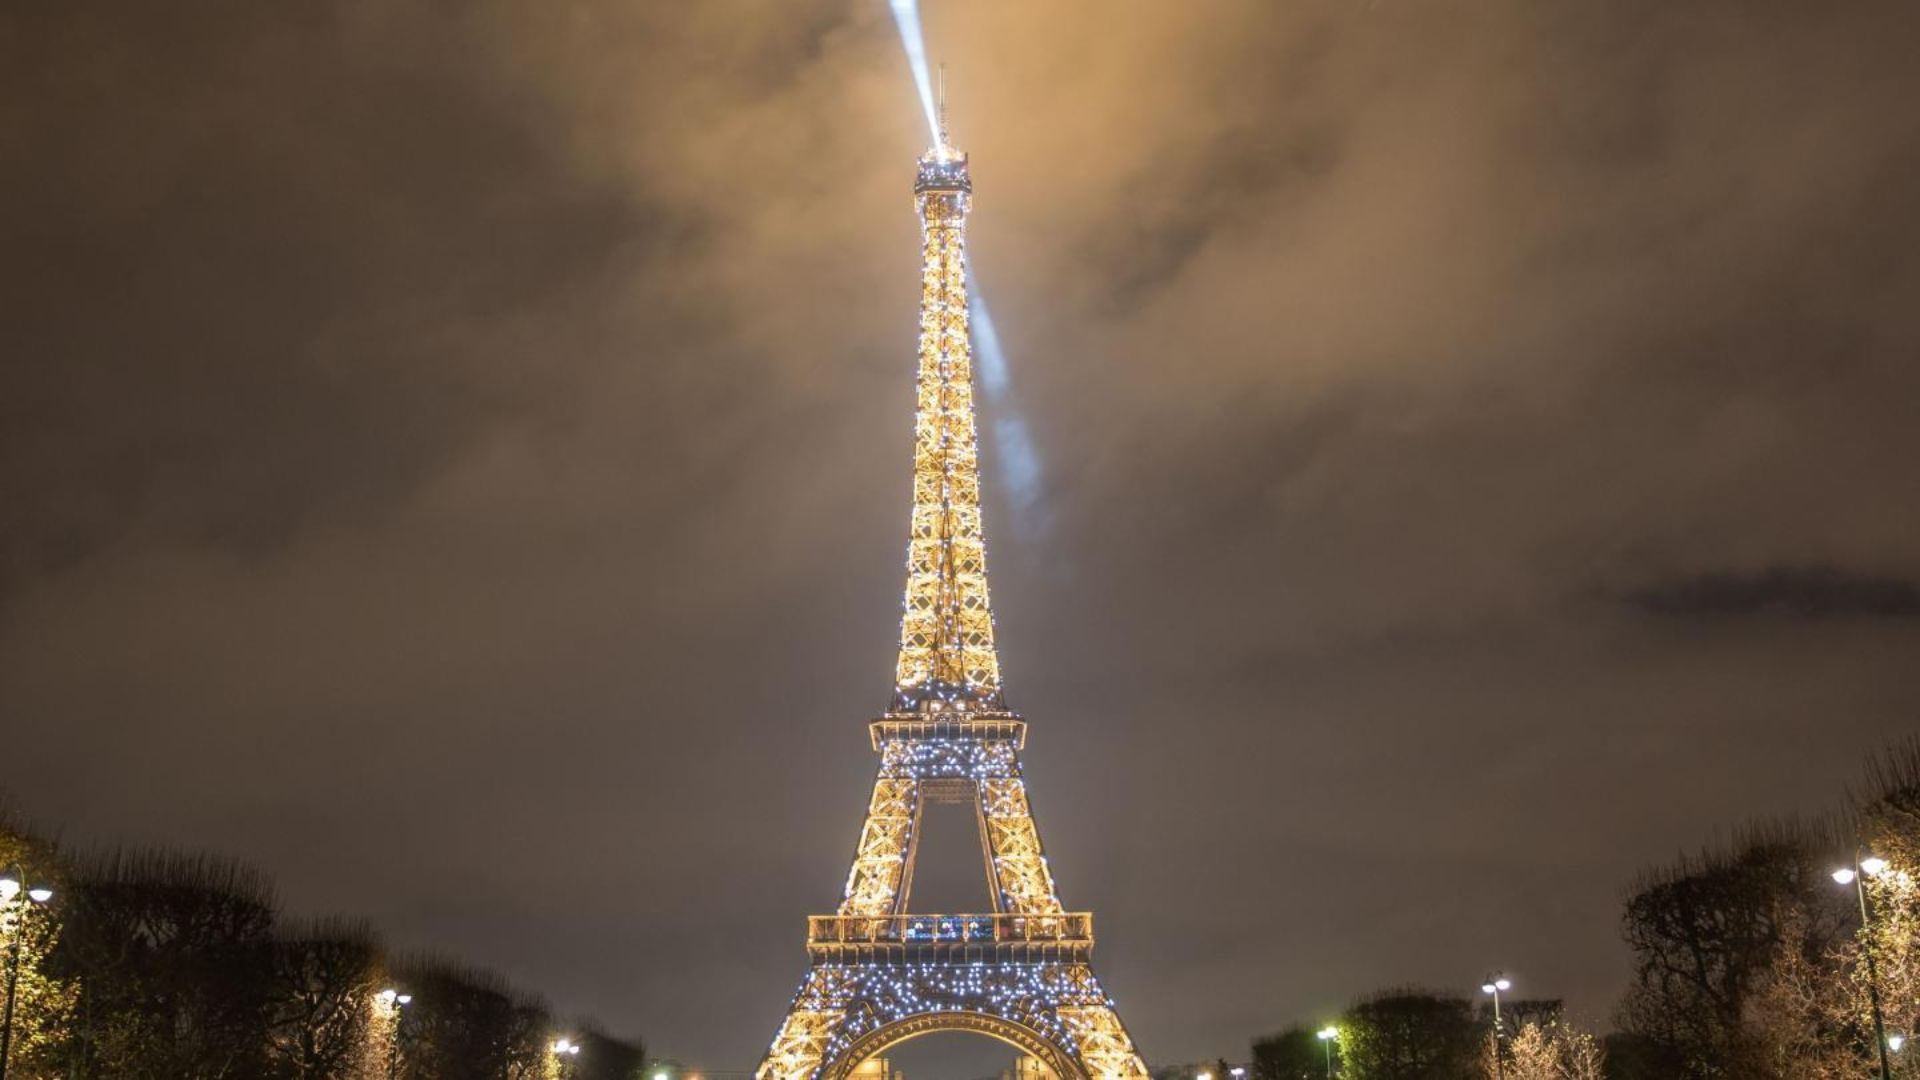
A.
pixel 1000 937
pixel 955 726
pixel 943 169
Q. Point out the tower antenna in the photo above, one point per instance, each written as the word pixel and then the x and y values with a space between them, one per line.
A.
pixel 943 105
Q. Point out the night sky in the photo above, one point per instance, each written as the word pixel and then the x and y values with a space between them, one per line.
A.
pixel 456 457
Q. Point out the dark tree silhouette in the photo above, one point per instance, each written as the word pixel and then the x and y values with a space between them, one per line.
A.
pixel 1516 1013
pixel 1294 1054
pixel 1411 1034
pixel 604 1057
pixel 173 957
pixel 159 965
pixel 320 1001
pixel 1706 933
pixel 468 1023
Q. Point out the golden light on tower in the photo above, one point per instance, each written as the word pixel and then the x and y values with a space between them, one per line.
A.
pixel 879 974
pixel 946 622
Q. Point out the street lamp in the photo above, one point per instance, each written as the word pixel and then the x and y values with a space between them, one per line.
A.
pixel 1328 1036
pixel 566 1050
pixel 1871 866
pixel 394 1001
pixel 14 909
pixel 1495 985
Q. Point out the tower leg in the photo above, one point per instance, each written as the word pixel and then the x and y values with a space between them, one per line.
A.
pixel 880 862
pixel 1019 864
pixel 801 1046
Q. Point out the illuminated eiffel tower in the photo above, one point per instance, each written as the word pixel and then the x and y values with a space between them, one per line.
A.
pixel 1021 973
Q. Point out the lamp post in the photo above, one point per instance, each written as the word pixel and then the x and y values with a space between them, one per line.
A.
pixel 1855 876
pixel 568 1052
pixel 395 1001
pixel 1494 985
pixel 1328 1036
pixel 15 893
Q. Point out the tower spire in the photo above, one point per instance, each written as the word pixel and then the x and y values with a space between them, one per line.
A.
pixel 942 99
pixel 946 625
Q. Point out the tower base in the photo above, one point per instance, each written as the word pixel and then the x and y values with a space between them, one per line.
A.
pixel 846 1013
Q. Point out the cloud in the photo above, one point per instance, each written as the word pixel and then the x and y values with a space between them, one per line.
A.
pixel 251 297
pixel 447 447
pixel 1801 592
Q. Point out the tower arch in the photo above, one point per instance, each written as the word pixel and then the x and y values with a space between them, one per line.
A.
pixel 1058 1059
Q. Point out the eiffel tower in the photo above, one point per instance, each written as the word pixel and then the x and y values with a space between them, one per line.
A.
pixel 1021 973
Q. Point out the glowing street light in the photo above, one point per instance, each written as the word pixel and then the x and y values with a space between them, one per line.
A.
pixel 394 1001
pixel 1328 1036
pixel 11 886
pixel 1496 985
pixel 1872 866
pixel 1895 1042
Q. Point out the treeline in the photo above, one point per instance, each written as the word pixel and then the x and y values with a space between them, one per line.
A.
pixel 1409 1033
pixel 1754 961
pixel 1762 959
pixel 164 964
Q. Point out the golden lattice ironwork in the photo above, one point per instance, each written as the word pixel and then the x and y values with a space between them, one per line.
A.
pixel 880 862
pixel 878 973
pixel 946 621
pixel 1026 884
pixel 1104 1046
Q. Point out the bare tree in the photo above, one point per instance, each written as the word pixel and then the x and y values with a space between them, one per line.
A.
pixel 1529 1055
pixel 1581 1055
pixel 322 1012
pixel 1705 933
pixel 173 958
pixel 1554 1050
pixel 468 1022
pixel 604 1057
pixel 1888 817
pixel 1812 1012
